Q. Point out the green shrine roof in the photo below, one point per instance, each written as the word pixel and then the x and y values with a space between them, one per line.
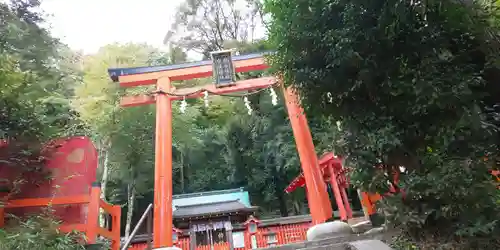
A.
pixel 211 209
pixel 205 198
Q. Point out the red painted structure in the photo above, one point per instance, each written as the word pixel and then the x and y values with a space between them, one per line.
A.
pixel 496 174
pixel 272 232
pixel 72 165
pixel 162 77
pixel 334 173
pixel 284 234
pixel 332 165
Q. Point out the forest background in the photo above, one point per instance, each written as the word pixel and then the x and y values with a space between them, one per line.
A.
pixel 386 83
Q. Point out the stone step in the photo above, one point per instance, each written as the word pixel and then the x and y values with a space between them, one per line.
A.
pixel 338 235
pixel 340 246
pixel 354 245
pixel 367 245
pixel 339 240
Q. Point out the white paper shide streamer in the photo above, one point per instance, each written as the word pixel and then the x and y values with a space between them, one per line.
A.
pixel 247 104
pixel 183 105
pixel 274 97
pixel 205 98
pixel 274 101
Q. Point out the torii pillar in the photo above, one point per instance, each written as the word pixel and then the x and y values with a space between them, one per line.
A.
pixel 163 214
pixel 318 200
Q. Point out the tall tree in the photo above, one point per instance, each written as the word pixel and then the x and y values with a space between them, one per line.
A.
pixel 37 76
pixel 117 130
pixel 204 26
pixel 412 84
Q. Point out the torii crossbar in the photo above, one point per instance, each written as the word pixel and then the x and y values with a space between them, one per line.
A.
pixel 162 77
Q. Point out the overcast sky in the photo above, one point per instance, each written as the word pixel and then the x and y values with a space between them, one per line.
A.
pixel 89 24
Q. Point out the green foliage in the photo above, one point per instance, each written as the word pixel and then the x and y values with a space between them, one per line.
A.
pixel 413 85
pixel 404 241
pixel 37 233
pixel 34 73
pixel 36 78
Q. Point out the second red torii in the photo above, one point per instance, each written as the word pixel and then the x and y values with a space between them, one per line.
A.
pixel 330 166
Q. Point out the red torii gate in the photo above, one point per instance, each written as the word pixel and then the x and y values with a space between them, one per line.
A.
pixel 333 171
pixel 162 77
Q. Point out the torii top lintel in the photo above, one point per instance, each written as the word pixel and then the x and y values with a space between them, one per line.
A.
pixel 131 77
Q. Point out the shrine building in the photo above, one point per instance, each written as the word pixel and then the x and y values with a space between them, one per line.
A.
pixel 226 219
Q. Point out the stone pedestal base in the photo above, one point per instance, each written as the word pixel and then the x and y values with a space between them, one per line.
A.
pixel 328 230
pixel 368 245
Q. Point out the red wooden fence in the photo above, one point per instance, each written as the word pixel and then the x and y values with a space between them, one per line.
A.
pixel 265 237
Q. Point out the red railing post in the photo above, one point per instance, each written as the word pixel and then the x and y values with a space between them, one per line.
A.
pixel 115 227
pixel 93 213
pixel 2 216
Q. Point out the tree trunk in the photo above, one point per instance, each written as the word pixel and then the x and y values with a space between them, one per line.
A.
pixel 104 180
pixel 296 207
pixel 279 192
pixel 182 172
pixel 130 207
pixel 281 196
pixel 283 206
